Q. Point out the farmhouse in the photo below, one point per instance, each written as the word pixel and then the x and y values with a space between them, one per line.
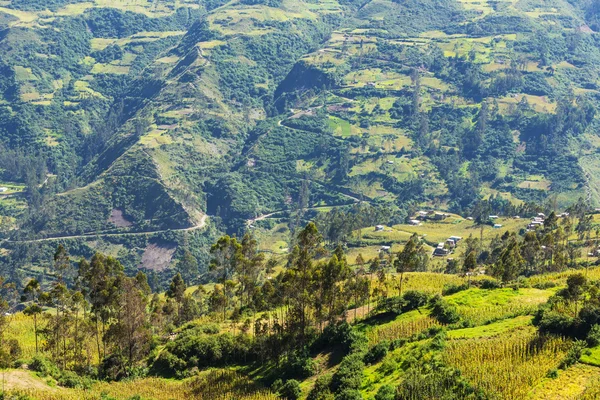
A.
pixel 379 228
pixel 440 251
pixel 385 249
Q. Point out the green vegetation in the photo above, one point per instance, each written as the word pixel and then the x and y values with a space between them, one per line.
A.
pixel 334 199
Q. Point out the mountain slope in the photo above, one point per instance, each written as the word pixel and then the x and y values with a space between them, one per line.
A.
pixel 147 116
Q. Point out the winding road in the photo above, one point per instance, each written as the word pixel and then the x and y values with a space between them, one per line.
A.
pixel 200 225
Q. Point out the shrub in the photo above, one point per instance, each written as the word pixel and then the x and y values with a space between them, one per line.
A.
pixel 442 311
pixel 548 320
pixel 414 299
pixel 593 336
pixel 43 366
pixel 320 390
pixel 452 288
pixel 300 365
pixel 349 374
pixel 573 355
pixel 70 379
pixel 397 343
pixel 167 365
pixel 410 300
pixel 113 367
pixel 490 284
pixel 290 390
pixel 552 374
pixel 377 352
pixel 386 392
pixel 349 394
pixel 544 285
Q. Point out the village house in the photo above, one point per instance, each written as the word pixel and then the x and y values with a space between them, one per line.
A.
pixel 379 228
pixel 385 249
pixel 414 222
pixel 440 250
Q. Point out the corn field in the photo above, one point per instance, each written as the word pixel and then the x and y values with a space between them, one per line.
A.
pixel 401 329
pixel 482 315
pixel 592 392
pixel 506 367
pixel 210 385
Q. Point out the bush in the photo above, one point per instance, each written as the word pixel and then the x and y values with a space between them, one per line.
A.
pixel 593 336
pixel 414 299
pixel 290 390
pixel 350 373
pixel 397 343
pixel 300 365
pixel 320 390
pixel 452 288
pixel 552 374
pixel 377 352
pixel 386 392
pixel 349 394
pixel 490 284
pixel 70 379
pixel 573 355
pixel 410 300
pixel 442 311
pixel 548 320
pixel 544 285
pixel 43 366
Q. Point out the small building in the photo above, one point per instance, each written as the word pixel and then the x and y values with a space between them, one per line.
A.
pixel 3 189
pixel 440 251
pixel 493 217
pixel 469 218
pixel 497 226
pixel 541 215
pixel 439 216
pixel 516 217
pixel 379 228
pixel 385 249
pixel 450 243
pixel 422 214
pixel 456 238
pixel 414 222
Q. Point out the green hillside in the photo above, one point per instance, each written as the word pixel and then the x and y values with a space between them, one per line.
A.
pixel 144 117
pixel 422 137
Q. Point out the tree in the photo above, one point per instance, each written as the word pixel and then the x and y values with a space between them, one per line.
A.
pixel 226 254
pixel 188 266
pixel 510 264
pixel 99 280
pixel 177 292
pixel 249 267
pixel 131 332
pixel 409 259
pixel 217 300
pixel 470 265
pixel 300 274
pixel 34 310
